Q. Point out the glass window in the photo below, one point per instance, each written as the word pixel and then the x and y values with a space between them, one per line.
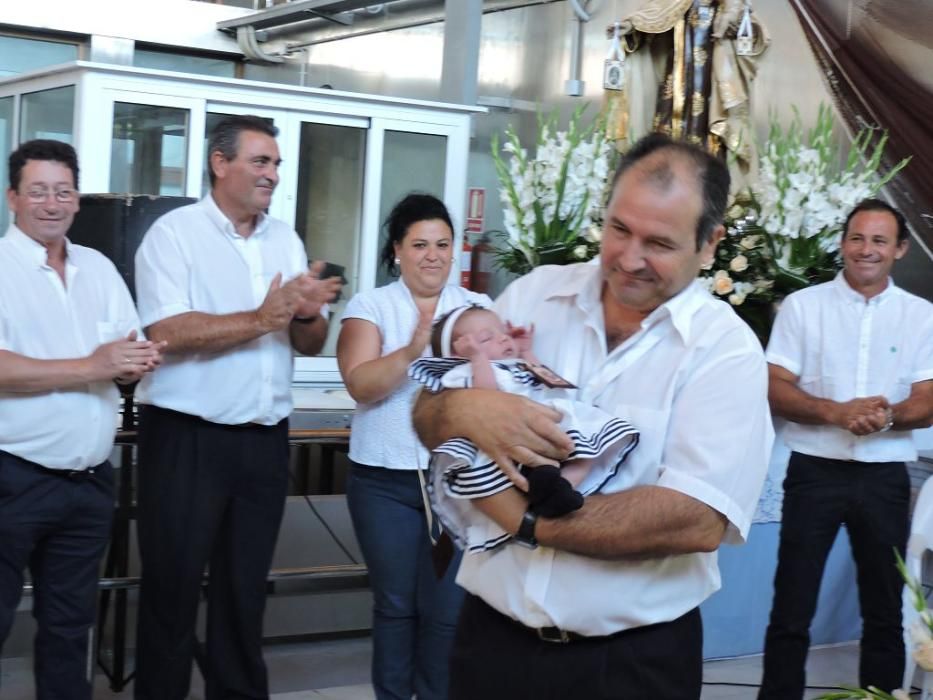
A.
pixel 19 54
pixel 164 60
pixel 148 149
pixel 6 145
pixel 411 163
pixel 48 114
pixel 329 204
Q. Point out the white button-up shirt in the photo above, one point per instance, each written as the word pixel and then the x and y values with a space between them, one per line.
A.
pixel 382 433
pixel 45 319
pixel 842 347
pixel 693 381
pixel 192 259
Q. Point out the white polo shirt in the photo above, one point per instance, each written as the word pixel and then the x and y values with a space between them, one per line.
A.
pixel 192 259
pixel 842 347
pixel 693 381
pixel 44 319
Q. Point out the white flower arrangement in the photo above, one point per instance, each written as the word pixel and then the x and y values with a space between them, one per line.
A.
pixel 553 199
pixel 783 233
pixel 742 271
pixel 804 191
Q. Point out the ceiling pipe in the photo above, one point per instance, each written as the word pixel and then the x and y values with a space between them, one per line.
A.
pixel 401 14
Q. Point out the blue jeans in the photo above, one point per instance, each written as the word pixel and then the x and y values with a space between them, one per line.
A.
pixel 414 613
pixel 58 526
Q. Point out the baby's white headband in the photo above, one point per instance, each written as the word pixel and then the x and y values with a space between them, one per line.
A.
pixel 449 322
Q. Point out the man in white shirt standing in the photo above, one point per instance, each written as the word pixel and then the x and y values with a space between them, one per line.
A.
pixel 229 289
pixel 603 603
pixel 851 369
pixel 67 332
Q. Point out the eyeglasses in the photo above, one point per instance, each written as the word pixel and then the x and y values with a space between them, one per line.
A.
pixel 62 196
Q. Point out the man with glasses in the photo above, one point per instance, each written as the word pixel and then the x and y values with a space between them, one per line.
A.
pixel 68 331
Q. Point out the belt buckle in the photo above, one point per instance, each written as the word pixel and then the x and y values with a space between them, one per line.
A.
pixel 554 635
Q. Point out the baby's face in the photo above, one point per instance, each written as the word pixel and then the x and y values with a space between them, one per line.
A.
pixel 489 333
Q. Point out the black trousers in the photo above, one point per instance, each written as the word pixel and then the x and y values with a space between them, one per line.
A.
pixel 58 526
pixel 497 658
pixel 211 496
pixel 871 499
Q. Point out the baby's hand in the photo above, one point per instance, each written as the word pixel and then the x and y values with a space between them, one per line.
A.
pixel 467 346
pixel 523 337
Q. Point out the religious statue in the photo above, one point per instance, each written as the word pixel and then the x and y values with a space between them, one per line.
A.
pixel 706 53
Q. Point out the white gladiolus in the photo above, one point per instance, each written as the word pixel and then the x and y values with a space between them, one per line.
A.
pixel 555 195
pixel 803 193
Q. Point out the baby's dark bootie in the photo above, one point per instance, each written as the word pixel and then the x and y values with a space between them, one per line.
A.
pixel 550 494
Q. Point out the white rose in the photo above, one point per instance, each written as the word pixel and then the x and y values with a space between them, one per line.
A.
pixel 749 242
pixel 736 211
pixel 739 263
pixel 580 252
pixel 736 299
pixel 722 283
pixel 594 233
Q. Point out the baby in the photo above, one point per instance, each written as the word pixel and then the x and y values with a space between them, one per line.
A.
pixel 474 348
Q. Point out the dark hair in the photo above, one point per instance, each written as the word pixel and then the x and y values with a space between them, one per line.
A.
pixel 225 136
pixel 437 330
pixel 412 208
pixel 42 149
pixel 878 205
pixel 710 172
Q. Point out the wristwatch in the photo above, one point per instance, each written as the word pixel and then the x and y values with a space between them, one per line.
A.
pixel 889 423
pixel 526 529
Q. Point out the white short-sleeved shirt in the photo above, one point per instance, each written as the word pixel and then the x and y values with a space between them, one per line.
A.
pixel 694 382
pixel 842 347
pixel 192 259
pixel 382 434
pixel 44 319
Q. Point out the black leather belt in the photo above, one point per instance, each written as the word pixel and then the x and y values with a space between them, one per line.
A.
pixel 557 635
pixel 63 473
pixel 553 635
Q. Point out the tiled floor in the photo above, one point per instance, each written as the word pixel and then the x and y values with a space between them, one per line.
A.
pixel 339 670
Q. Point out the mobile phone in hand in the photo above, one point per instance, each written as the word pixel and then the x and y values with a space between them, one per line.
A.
pixel 334 270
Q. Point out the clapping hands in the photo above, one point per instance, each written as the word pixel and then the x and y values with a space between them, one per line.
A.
pixel 125 360
pixel 300 297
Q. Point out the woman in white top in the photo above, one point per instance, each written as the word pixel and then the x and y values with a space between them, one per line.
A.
pixel 383 331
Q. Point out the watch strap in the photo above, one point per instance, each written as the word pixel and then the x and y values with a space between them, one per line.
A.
pixel 526 529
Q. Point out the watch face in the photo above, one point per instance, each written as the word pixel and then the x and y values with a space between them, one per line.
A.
pixel 526 529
